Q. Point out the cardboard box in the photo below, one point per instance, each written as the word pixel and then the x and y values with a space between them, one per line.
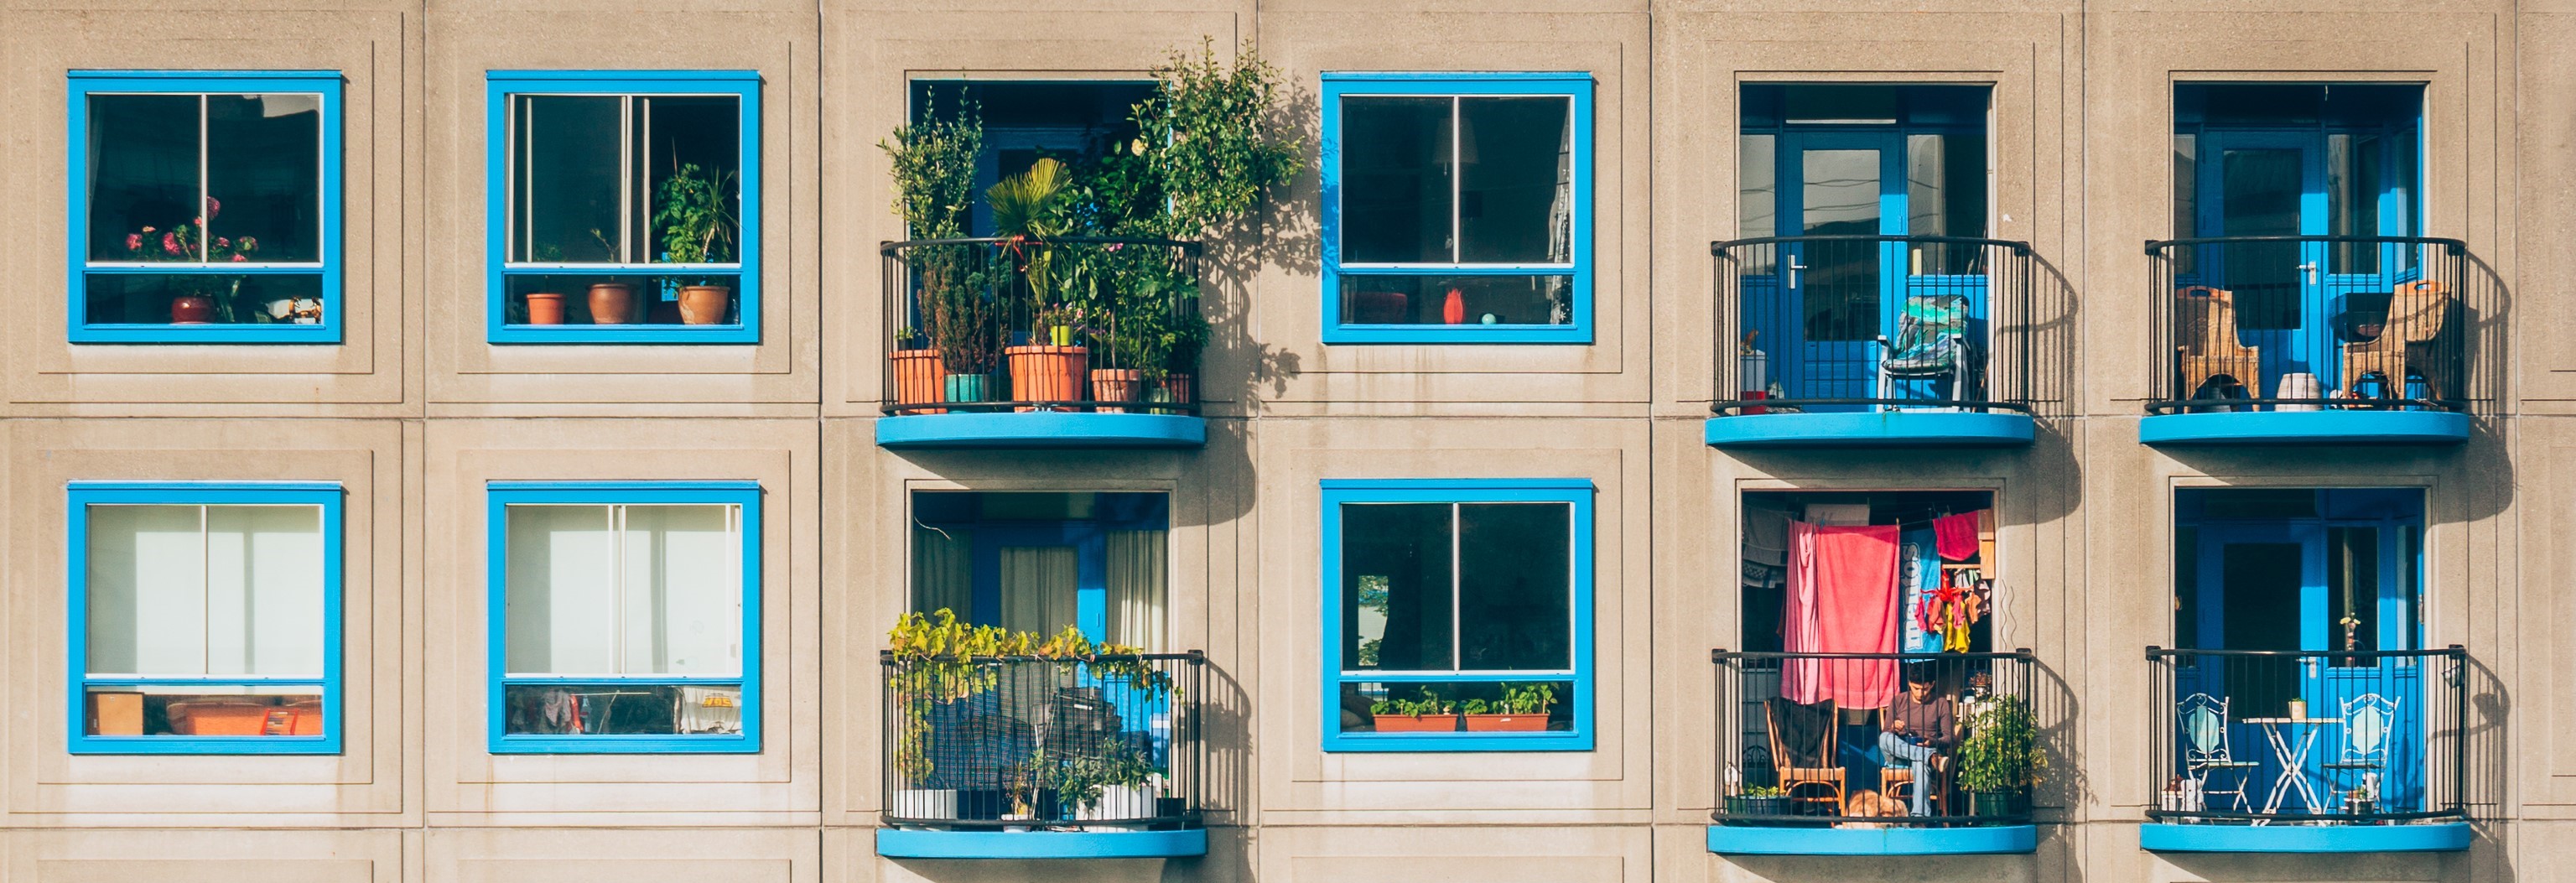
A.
pixel 115 714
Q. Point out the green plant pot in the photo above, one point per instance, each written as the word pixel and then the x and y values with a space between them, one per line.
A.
pixel 1739 806
pixel 967 387
pixel 1999 803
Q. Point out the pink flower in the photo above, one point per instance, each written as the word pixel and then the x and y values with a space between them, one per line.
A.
pixel 199 220
pixel 212 208
pixel 238 259
pixel 134 242
pixel 222 242
pixel 170 242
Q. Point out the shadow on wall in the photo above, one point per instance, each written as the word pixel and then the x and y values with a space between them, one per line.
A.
pixel 1285 236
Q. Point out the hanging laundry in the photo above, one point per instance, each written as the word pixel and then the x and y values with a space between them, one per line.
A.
pixel 1841 599
pixel 1958 535
pixel 1921 576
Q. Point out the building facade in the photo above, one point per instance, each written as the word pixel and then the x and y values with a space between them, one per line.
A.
pixel 2151 382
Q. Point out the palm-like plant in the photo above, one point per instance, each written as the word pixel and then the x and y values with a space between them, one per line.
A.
pixel 1025 214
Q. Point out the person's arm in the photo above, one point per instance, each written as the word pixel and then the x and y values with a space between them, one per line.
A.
pixel 1892 718
pixel 1944 726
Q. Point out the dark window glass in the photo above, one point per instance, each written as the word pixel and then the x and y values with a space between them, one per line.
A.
pixel 1515 187
pixel 1841 192
pixel 569 180
pixel 1514 593
pixel 1425 300
pixel 143 153
pixel 264 174
pixel 1398 594
pixel 1396 187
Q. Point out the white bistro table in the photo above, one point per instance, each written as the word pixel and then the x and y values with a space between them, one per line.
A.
pixel 2292 738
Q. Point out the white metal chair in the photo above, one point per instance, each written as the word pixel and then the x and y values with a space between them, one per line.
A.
pixel 2368 720
pixel 2202 718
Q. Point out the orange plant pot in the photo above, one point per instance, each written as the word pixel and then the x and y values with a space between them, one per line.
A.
pixel 704 304
pixel 1048 373
pixel 545 309
pixel 919 378
pixel 612 303
pixel 1412 723
pixel 1116 385
pixel 1505 723
pixel 219 718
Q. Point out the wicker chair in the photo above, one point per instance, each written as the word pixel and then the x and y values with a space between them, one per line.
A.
pixel 2206 346
pixel 2417 318
pixel 1806 742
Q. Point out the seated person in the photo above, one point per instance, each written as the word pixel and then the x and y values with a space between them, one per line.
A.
pixel 1915 727
pixel 1870 804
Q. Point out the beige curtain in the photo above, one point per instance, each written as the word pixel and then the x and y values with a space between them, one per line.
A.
pixel 1038 588
pixel 943 571
pixel 1137 586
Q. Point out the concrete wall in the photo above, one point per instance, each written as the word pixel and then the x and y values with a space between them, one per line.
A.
pixel 414 412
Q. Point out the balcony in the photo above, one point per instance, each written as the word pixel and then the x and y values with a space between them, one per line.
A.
pixel 1043 757
pixel 2314 340
pixel 1070 342
pixel 1813 754
pixel 2291 751
pixel 1873 341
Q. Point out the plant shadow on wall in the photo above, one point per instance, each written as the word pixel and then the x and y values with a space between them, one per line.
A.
pixel 1096 258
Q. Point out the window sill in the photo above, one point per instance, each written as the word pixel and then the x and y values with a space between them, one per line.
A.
pixel 323 333
pixel 624 334
pixel 1558 335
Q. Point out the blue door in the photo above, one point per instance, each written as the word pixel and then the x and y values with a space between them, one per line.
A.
pixel 2268 184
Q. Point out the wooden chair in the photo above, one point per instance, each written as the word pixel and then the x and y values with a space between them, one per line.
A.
pixel 2205 342
pixel 1897 781
pixel 1806 741
pixel 2417 314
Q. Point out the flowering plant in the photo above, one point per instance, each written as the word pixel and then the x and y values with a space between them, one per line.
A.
pixel 187 243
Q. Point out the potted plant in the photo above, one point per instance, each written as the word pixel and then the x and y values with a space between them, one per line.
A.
pixel 918 376
pixel 934 174
pixel 698 229
pixel 1758 800
pixel 1429 714
pixel 545 308
pixel 1521 709
pixel 204 299
pixel 1049 367
pixel 2000 759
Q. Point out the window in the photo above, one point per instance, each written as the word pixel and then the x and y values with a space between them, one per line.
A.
pixel 624 207
pixel 1458 615
pixel 1039 562
pixel 1457 208
pixel 205 618
pixel 625 617
pixel 205 207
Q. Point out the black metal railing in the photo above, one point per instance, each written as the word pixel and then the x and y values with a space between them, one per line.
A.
pixel 1043 742
pixel 1839 738
pixel 1066 324
pixel 2303 323
pixel 1851 322
pixel 2261 736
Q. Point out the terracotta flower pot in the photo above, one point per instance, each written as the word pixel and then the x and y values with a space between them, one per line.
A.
pixel 1505 723
pixel 1417 723
pixel 1116 385
pixel 704 304
pixel 545 308
pixel 1047 373
pixel 612 303
pixel 191 309
pixel 918 378
pixel 1179 389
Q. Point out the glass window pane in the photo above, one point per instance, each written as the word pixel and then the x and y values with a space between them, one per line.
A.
pixel 1468 706
pixel 1840 285
pixel 681 580
pixel 561 593
pixel 142 173
pixel 681 132
pixel 145 299
pixel 1426 300
pixel 1395 155
pixel 1757 173
pixel 1515 190
pixel 1514 586
pixel 2259 196
pixel 620 709
pixel 569 175
pixel 264 177
pixel 1397 592
pixel 147 590
pixel 172 710
pixel 1945 186
pixel 264 590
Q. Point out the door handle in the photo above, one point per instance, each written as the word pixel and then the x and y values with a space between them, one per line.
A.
pixel 2310 268
pixel 1794 267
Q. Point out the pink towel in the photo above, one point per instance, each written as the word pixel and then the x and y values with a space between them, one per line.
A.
pixel 1956 536
pixel 1842 599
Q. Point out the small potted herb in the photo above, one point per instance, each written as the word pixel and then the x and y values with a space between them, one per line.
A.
pixel 1522 709
pixel 698 229
pixel 1759 800
pixel 1429 714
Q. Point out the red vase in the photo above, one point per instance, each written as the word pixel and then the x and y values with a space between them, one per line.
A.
pixel 1454 309
pixel 190 309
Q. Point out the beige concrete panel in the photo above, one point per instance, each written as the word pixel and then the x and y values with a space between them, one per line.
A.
pixel 2129 174
pixel 1703 62
pixel 1491 854
pixel 681 855
pixel 365 373
pixel 1304 376
pixel 363 785
pixel 202 856
pixel 470 786
pixel 881 50
pixel 2546 779
pixel 1302 784
pixel 466 39
pixel 2546 193
pixel 868 558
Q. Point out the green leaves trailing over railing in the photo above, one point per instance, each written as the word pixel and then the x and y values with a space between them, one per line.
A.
pixel 937 660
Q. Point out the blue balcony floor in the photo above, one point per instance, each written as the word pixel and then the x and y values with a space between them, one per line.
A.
pixel 1041 429
pixel 2326 427
pixel 910 843
pixel 1752 840
pixel 1872 429
pixel 2445 837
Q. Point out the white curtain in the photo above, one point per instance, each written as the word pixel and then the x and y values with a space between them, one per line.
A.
pixel 205 590
pixel 1138 583
pixel 616 590
pixel 943 571
pixel 1038 588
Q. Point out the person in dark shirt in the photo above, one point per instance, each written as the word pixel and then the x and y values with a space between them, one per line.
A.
pixel 1915 727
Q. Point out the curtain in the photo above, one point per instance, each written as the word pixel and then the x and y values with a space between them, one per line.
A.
pixel 943 571
pixel 205 590
pixel 1842 599
pixel 1038 588
pixel 1138 584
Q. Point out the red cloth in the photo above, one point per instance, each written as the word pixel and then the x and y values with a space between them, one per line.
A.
pixel 1842 599
pixel 1955 536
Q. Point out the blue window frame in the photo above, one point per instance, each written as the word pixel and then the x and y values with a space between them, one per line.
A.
pixel 204 618
pixel 624 617
pixel 582 167
pixel 204 207
pixel 1457 207
pixel 1457 593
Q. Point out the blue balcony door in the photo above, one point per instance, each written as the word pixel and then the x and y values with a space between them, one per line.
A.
pixel 2269 184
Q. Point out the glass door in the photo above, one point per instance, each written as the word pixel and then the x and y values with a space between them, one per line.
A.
pixel 2269 184
pixel 1846 183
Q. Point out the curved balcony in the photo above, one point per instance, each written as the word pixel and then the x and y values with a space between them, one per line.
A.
pixel 1806 766
pixel 1043 757
pixel 2314 340
pixel 2292 751
pixel 1873 341
pixel 1074 342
